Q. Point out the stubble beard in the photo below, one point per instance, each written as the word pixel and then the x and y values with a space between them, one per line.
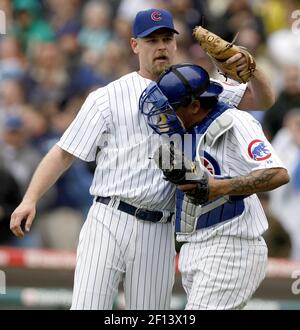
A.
pixel 158 69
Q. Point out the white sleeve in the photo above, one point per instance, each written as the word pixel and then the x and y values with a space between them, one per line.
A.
pixel 247 147
pixel 232 93
pixel 82 136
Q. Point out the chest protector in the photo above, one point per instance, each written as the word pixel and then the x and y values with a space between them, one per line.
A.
pixel 190 217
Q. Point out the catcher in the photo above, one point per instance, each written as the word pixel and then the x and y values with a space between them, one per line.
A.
pixel 236 63
pixel 218 214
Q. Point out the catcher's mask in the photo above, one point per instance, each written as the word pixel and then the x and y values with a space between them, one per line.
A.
pixel 178 86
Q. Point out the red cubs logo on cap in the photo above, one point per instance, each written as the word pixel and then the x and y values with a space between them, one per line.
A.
pixel 156 16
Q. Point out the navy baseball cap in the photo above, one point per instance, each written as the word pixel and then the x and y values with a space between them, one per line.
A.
pixel 147 21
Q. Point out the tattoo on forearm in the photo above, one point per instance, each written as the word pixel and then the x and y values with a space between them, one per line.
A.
pixel 254 182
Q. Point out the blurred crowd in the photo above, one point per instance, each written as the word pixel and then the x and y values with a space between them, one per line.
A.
pixel 55 52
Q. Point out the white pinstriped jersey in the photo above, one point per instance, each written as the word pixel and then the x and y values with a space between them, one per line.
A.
pixel 111 121
pixel 112 242
pixel 234 155
pixel 110 116
pixel 232 93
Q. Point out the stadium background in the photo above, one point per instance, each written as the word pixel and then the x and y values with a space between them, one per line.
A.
pixel 53 53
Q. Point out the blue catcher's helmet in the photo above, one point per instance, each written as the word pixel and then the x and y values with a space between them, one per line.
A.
pixel 178 86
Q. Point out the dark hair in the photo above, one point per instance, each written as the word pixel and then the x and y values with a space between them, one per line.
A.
pixel 208 102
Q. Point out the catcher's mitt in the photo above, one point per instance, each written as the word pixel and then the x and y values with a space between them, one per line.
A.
pixel 220 51
pixel 180 170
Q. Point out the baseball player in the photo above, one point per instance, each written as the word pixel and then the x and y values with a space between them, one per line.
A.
pixel 128 234
pixel 218 215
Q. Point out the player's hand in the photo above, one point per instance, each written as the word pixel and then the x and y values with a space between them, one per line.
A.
pixel 235 58
pixel 239 60
pixel 24 212
pixel 212 183
pixel 186 187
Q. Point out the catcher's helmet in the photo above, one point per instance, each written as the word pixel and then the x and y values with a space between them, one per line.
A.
pixel 178 86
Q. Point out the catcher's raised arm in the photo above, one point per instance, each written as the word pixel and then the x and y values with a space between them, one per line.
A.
pixel 239 68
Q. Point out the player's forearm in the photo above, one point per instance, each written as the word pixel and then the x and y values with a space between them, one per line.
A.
pixel 254 182
pixel 259 94
pixel 262 90
pixel 49 170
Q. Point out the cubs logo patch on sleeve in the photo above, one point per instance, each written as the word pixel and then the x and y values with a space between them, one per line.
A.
pixel 258 150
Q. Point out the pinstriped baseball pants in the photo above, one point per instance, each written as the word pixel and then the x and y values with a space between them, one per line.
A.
pixel 223 272
pixel 115 246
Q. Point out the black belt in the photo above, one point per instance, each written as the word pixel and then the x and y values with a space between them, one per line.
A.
pixel 139 213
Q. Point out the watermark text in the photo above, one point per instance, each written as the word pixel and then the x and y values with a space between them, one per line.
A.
pixel 296 284
pixel 296 25
pixel 2 22
pixel 2 282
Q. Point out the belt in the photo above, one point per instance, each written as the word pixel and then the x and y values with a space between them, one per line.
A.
pixel 139 213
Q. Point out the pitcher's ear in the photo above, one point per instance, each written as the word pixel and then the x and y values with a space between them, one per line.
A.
pixel 134 45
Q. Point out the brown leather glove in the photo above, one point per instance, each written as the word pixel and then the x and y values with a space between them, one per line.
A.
pixel 220 51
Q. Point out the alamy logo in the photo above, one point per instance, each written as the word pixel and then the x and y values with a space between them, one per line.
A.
pixel 296 284
pixel 2 22
pixel 2 282
pixel 296 25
